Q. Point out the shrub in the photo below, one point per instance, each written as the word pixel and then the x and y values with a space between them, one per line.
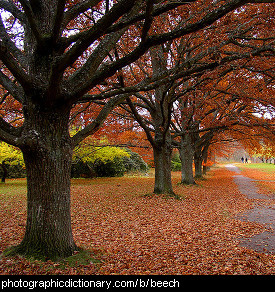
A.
pixel 134 163
pixel 175 162
pixel 175 166
pixel 107 162
pixel 109 168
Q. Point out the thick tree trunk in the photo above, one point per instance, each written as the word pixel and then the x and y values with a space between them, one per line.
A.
pixel 186 156
pixel 162 159
pixel 48 157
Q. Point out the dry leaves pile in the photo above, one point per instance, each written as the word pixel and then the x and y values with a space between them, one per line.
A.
pixel 133 233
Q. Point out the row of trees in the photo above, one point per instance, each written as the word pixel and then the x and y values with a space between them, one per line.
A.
pixel 182 70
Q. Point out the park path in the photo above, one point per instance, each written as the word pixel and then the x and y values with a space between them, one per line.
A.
pixel 261 213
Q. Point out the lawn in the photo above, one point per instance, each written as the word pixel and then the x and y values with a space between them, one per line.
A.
pixel 129 230
pixel 266 167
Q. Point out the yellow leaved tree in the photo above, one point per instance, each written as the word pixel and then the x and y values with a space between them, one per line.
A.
pixel 9 155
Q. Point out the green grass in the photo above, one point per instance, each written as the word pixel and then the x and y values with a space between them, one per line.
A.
pixel 13 187
pixel 267 167
pixel 82 257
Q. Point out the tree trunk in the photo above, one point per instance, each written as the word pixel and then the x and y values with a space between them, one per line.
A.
pixel 205 158
pixel 5 172
pixel 162 159
pixel 204 169
pixel 48 157
pixel 186 156
pixel 198 166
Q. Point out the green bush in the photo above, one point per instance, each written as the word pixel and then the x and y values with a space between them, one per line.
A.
pixel 175 166
pixel 175 162
pixel 110 168
pixel 134 163
pixel 104 167
pixel 81 169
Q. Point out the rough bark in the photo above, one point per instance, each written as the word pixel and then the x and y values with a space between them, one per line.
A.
pixel 186 156
pixel 198 166
pixel 47 155
pixel 162 159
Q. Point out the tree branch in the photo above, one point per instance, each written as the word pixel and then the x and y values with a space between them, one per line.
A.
pixel 140 121
pixel 77 9
pixel 86 38
pixel 14 90
pixel 158 9
pixel 31 19
pixel 4 36
pixel 9 134
pixel 12 64
pixel 11 8
pixel 58 19
pixel 98 121
pixel 108 70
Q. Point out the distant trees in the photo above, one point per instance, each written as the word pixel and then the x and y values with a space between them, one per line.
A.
pixel 266 152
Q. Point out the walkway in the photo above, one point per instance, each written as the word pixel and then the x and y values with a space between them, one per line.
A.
pixel 263 242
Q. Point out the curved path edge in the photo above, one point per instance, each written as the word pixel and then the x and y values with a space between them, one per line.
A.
pixel 265 241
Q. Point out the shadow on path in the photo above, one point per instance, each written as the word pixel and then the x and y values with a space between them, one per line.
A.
pixel 265 241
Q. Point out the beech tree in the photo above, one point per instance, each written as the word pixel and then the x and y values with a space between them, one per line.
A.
pixel 191 59
pixel 54 55
pixel 202 119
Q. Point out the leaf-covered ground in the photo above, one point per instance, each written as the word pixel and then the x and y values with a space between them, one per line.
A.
pixel 132 231
pixel 263 174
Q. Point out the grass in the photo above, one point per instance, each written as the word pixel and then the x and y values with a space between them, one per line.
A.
pixel 14 187
pixel 81 257
pixel 267 167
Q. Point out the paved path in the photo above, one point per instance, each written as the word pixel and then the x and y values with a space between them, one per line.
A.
pixel 263 242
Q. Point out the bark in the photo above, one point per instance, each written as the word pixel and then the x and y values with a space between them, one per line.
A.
pixel 205 156
pixel 162 159
pixel 198 166
pixel 205 168
pixel 198 146
pixel 48 156
pixel 5 172
pixel 186 157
